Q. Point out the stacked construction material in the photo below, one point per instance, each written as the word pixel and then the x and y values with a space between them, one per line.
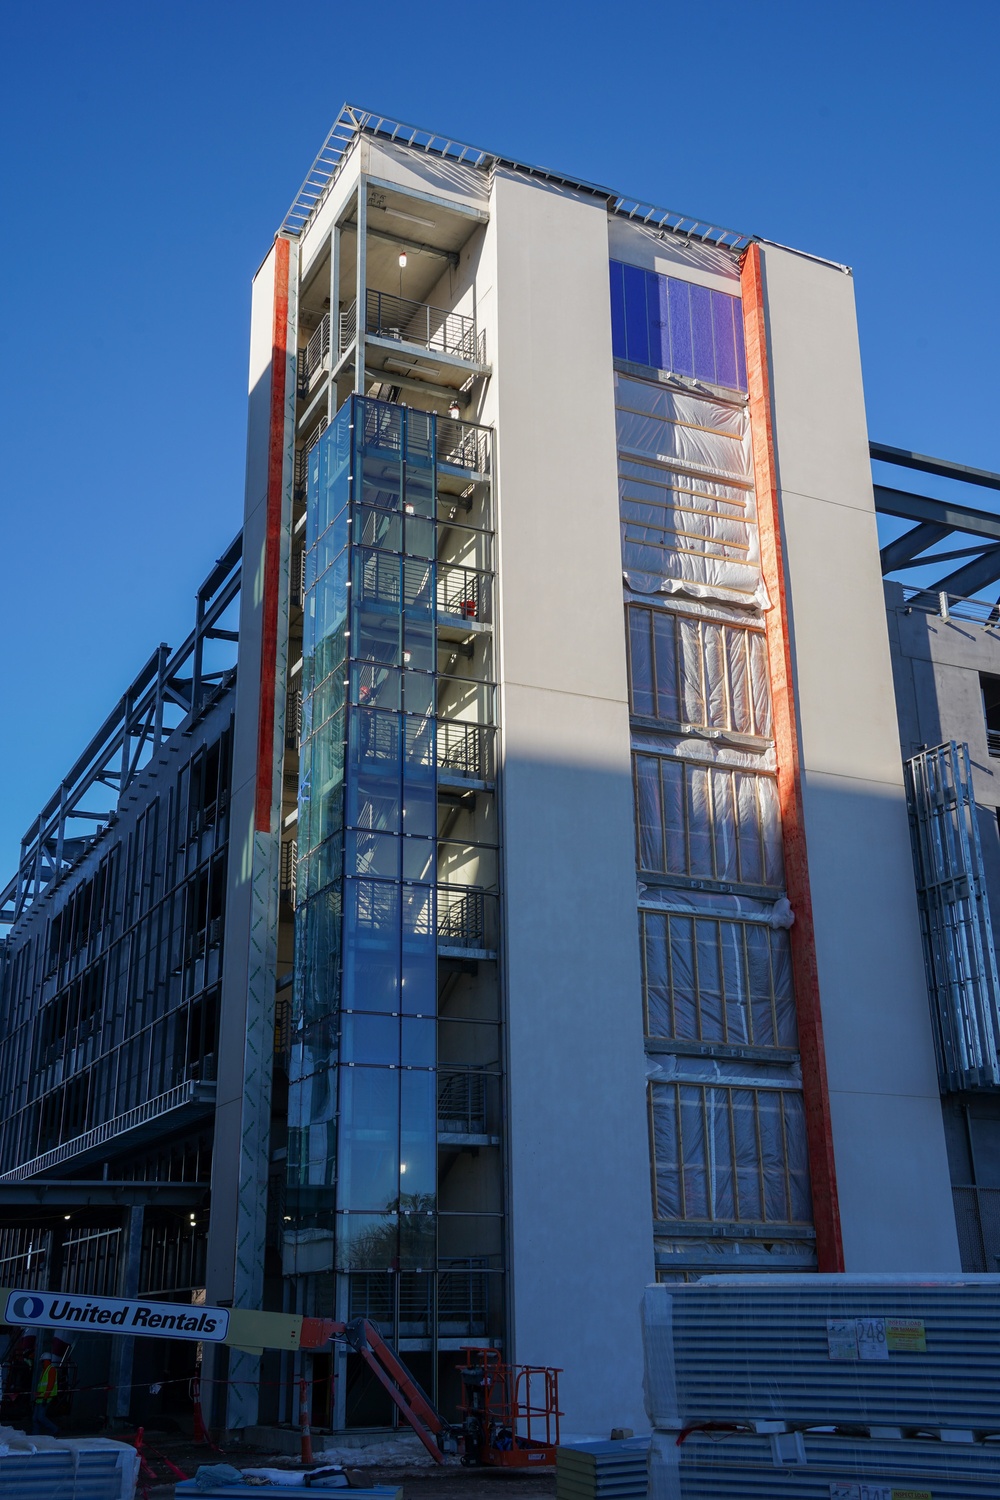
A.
pixel 603 1471
pixel 837 1381
pixel 61 1469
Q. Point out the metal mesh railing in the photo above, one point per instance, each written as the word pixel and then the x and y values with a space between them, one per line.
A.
pixel 463 591
pixel 953 606
pixel 977 1218
pixel 461 1103
pixel 959 954
pixel 465 749
pixel 289 862
pixel 311 357
pixel 463 1301
pixel 457 444
pixel 462 445
pixel 460 917
pixel 433 328
pixel 293 719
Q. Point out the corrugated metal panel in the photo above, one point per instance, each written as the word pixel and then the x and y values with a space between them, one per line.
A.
pixel 758 1348
pixel 602 1471
pixel 52 1475
pixel 720 1467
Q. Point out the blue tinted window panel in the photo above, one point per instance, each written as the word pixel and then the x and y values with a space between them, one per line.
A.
pixel 681 355
pixel 701 333
pixel 741 358
pixel 617 311
pixel 724 338
pixel 657 298
pixel 636 322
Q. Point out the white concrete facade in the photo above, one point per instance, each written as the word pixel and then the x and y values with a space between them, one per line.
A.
pixel 892 1169
pixel 580 1212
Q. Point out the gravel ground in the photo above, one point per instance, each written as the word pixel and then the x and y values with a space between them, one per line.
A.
pixel 420 1479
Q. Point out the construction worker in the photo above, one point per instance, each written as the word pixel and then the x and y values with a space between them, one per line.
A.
pixel 46 1391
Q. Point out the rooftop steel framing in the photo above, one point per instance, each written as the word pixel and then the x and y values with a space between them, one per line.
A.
pixel 354 121
pixel 939 521
pixel 133 731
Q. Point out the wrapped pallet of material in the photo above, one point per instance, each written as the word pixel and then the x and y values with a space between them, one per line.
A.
pixel 66 1468
pixel 879 1351
pixel 602 1471
pixel 808 1466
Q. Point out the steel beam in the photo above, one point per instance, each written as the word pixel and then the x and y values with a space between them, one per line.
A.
pixel 904 549
pixel 942 466
pixel 946 513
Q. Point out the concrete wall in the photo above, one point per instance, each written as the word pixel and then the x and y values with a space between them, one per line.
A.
pixel 580 1228
pixel 892 1167
pixel 233 1014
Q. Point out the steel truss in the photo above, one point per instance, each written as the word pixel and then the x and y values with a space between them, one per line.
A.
pixel 172 688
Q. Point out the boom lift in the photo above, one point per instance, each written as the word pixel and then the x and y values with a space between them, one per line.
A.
pixel 510 1413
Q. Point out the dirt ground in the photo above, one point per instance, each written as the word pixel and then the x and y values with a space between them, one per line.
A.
pixel 424 1482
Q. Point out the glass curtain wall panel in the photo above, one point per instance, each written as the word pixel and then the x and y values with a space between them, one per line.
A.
pixel 110 994
pixel 397 891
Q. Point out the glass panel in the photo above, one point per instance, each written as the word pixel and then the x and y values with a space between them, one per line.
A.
pixel 617 312
pixel 371 945
pixel 701 332
pixel 418 1139
pixel 369 1138
pixel 659 321
pixel 369 1241
pixel 665 646
pixel 798 1157
pixel 369 1039
pixel 693 1150
pixel 724 339
pixel 640 661
pixel 419 992
pixel 699 817
pixel 747 1155
pixel 684 977
pixel 656 979
pixel 681 352
pixel 636 324
pixel 741 359
pixel 419 1044
pixel 649 813
pixel 710 982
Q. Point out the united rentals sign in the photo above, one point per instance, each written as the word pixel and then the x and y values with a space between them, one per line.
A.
pixel 131 1315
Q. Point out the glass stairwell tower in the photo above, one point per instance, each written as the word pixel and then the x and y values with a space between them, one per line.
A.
pixel 394 1205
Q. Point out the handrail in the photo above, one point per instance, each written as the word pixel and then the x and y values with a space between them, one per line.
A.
pixel 151 1109
pixel 435 328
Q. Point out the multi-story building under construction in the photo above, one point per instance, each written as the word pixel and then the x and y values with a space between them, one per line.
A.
pixel 531 911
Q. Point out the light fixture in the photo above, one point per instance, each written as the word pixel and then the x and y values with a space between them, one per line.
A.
pixel 454 410
pixel 397 213
pixel 402 259
pixel 66 1216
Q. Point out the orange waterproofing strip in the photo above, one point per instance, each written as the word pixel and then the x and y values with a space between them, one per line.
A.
pixel 819 1132
pixel 272 545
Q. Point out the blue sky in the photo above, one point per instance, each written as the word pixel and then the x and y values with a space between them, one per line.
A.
pixel 150 151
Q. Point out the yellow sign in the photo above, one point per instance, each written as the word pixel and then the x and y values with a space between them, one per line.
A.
pixel 906 1336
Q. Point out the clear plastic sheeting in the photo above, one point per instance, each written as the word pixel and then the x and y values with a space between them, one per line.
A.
pixel 818 1466
pixel 708 747
pixel 707 822
pixel 703 674
pixel 911 1351
pixel 718 904
pixel 709 980
pixel 728 1154
pixel 688 513
pixel 713 436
